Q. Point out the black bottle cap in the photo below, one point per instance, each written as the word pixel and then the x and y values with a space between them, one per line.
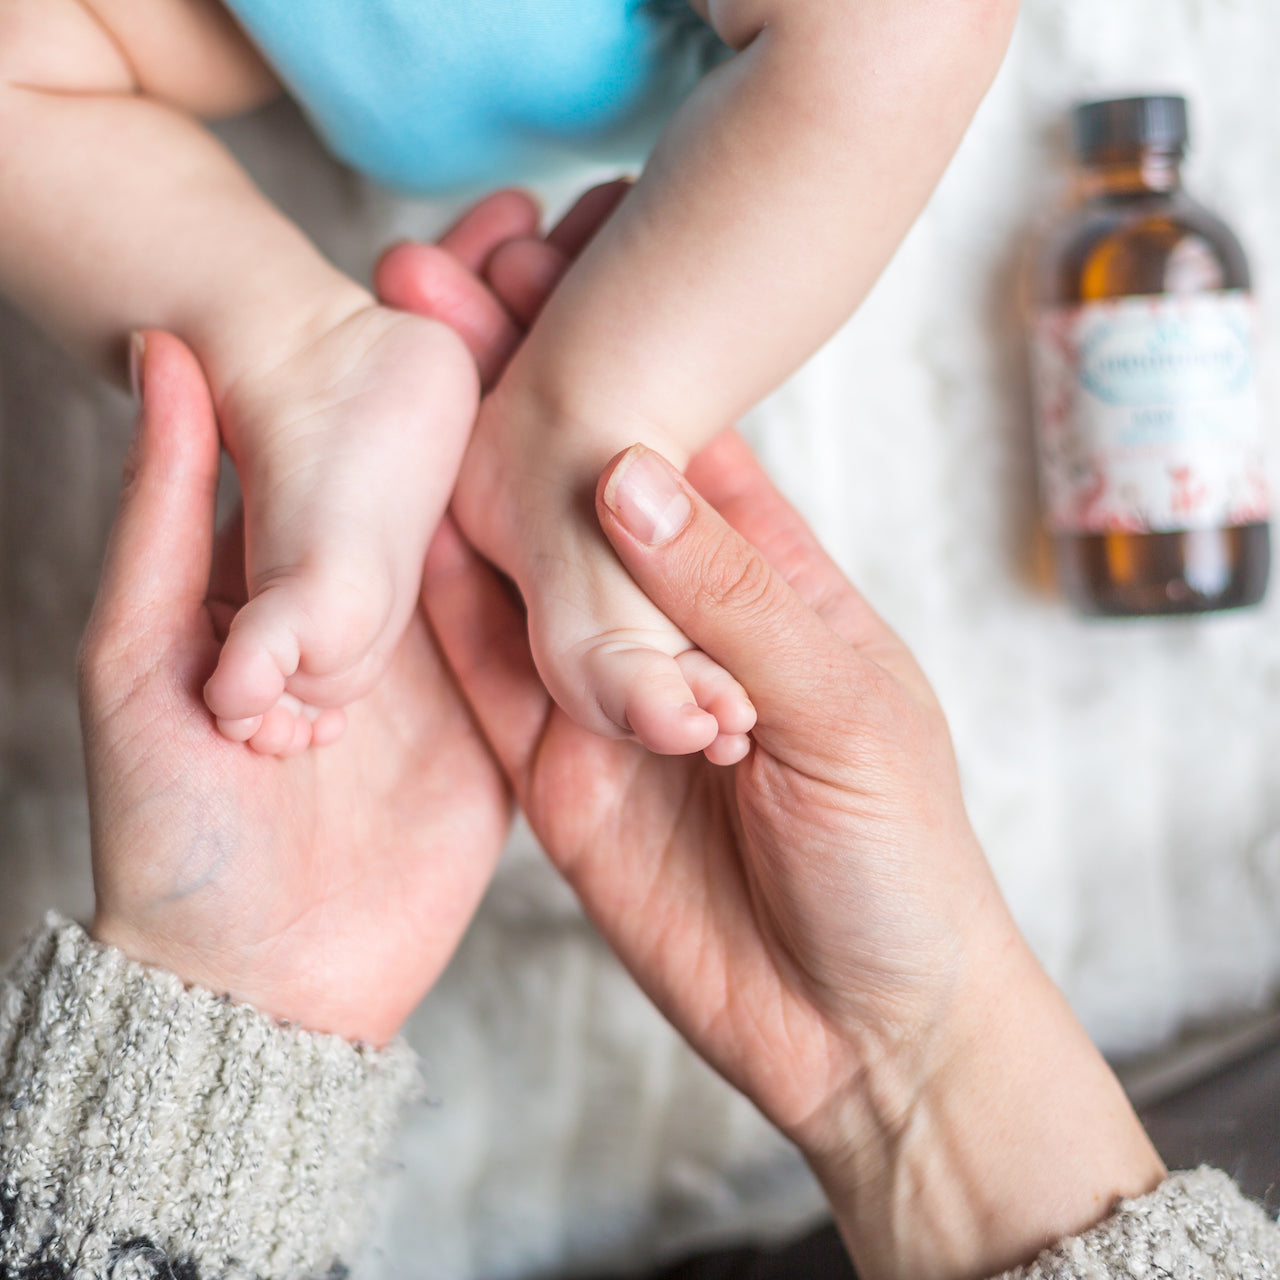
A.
pixel 1123 125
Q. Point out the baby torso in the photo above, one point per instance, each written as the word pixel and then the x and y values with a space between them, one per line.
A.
pixel 437 95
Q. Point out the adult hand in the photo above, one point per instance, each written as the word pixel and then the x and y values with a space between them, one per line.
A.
pixel 329 888
pixel 818 921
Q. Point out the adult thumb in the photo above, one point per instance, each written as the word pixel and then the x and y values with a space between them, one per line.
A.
pixel 718 588
pixel 156 570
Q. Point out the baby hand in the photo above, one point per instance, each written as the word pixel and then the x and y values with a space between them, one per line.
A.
pixel 347 451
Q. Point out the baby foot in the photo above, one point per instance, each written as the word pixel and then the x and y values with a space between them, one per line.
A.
pixel 610 658
pixel 346 454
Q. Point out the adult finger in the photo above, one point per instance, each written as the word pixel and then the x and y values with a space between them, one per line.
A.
pixel 156 571
pixel 524 271
pixel 523 274
pixel 728 475
pixel 499 217
pixel 428 281
pixel 716 587
pixel 442 280
pixel 497 237
pixel 589 213
pixel 484 635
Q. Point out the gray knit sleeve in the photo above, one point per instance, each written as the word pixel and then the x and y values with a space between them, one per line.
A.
pixel 148 1129
pixel 1194 1226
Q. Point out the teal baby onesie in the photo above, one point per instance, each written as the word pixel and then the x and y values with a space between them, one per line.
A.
pixel 439 95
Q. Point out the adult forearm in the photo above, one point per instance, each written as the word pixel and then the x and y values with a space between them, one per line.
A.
pixel 120 213
pixel 770 206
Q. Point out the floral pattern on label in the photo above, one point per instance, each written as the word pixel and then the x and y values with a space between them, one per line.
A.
pixel 1147 414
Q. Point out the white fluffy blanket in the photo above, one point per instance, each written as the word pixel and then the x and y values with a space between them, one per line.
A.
pixel 1124 777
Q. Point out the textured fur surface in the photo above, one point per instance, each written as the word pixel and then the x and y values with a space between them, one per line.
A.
pixel 1123 777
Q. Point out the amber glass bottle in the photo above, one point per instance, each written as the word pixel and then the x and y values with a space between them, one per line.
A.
pixel 1150 443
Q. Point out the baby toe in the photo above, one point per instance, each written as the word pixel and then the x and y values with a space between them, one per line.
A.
pixel 718 693
pixel 728 749
pixel 329 725
pixel 667 727
pixel 278 731
pixel 657 704
pixel 259 654
pixel 238 730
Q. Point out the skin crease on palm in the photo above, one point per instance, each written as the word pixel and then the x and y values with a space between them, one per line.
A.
pixel 818 921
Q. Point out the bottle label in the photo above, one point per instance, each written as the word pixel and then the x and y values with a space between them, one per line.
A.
pixel 1148 415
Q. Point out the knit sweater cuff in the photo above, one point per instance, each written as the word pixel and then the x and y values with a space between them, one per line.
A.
pixel 1194 1226
pixel 151 1129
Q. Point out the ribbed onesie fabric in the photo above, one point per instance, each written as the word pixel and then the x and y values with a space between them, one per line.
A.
pixel 152 1131
pixel 447 95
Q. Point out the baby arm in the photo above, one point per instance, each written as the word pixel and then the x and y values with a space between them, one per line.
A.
pixel 345 420
pixel 770 205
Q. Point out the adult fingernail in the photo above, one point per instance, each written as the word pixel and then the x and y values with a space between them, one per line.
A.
pixel 137 355
pixel 644 493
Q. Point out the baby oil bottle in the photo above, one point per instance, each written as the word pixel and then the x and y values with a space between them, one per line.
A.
pixel 1152 468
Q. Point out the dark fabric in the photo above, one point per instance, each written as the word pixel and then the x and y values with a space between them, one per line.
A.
pixel 1230 1120
pixel 816 1256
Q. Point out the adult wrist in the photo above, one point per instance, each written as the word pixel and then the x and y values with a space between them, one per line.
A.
pixel 970 1148
pixel 274 977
